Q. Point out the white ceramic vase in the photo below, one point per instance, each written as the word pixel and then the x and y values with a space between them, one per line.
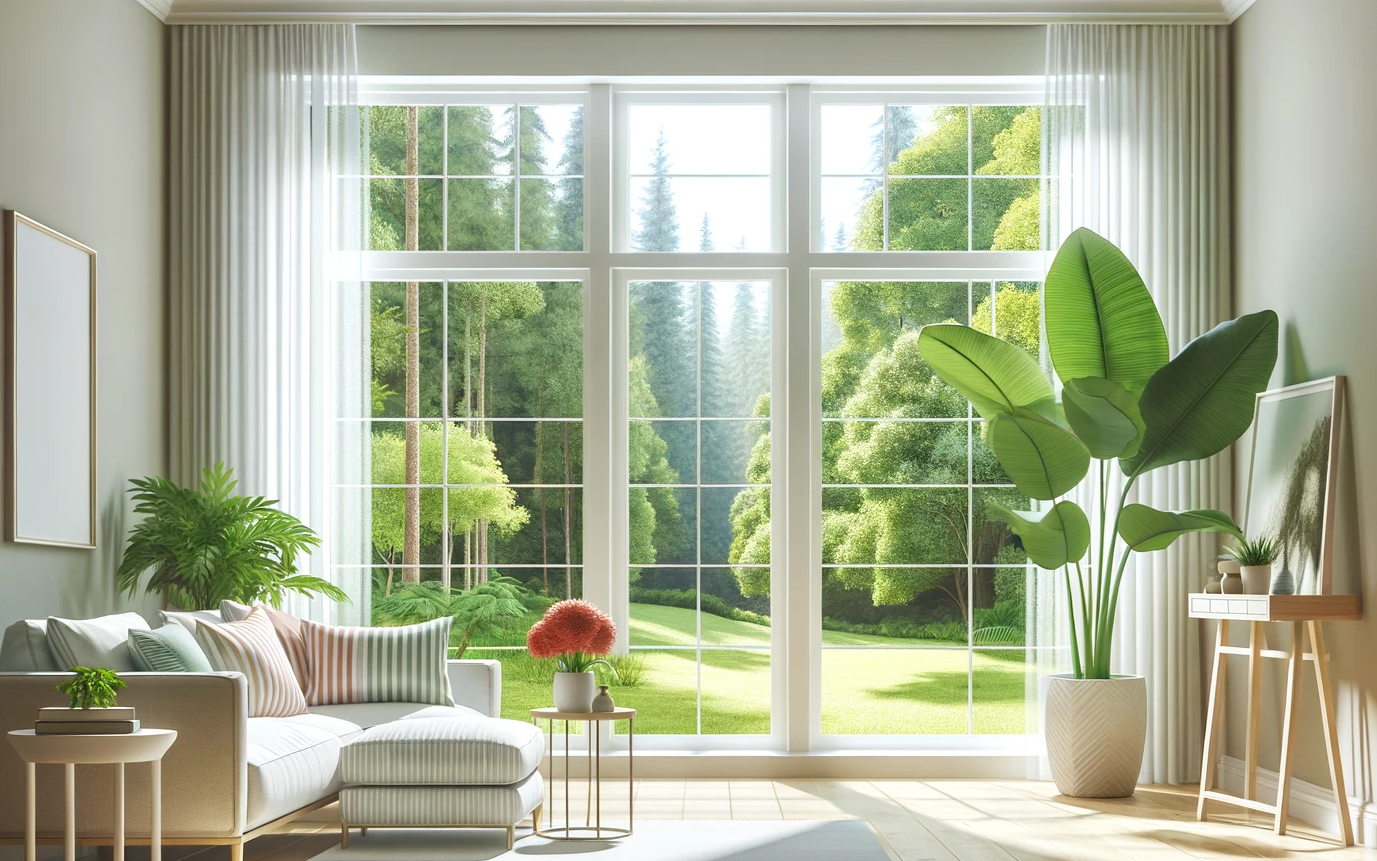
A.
pixel 574 692
pixel 1095 732
pixel 1257 579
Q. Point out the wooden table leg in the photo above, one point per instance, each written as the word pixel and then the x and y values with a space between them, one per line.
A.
pixel 119 812
pixel 69 791
pixel 1331 732
pixel 30 813
pixel 1290 720
pixel 1254 709
pixel 155 811
pixel 1214 718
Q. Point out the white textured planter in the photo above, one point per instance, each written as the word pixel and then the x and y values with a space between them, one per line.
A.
pixel 1257 579
pixel 574 692
pixel 1095 731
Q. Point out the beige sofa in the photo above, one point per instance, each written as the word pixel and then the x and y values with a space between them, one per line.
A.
pixel 228 778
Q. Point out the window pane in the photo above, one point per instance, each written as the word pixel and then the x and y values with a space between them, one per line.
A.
pixel 994 543
pixel 1005 215
pixel 666 693
pixel 697 213
pixel 999 684
pixel 735 343
pixel 736 452
pixel 480 140
pixel 717 140
pixel 928 214
pixel 388 129
pixel 850 137
pixel 895 691
pixel 663 608
pixel 929 141
pixel 897 453
pixel 482 215
pixel 1006 140
pixel 736 692
pixel 387 348
pixel 664 356
pixel 557 132
pixel 551 214
pixel 850 215
pixel 388 214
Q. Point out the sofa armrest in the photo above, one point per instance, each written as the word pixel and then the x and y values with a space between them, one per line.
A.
pixel 204 773
pixel 477 685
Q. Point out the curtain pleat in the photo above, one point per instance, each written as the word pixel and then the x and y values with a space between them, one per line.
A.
pixel 264 204
pixel 1136 148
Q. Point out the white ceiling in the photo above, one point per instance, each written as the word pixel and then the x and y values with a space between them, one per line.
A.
pixel 698 11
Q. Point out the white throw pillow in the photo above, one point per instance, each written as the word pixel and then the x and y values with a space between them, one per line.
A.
pixel 101 642
pixel 188 618
pixel 25 649
pixel 251 647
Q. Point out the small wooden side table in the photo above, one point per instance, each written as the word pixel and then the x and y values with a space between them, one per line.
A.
pixel 146 745
pixel 592 829
pixel 1304 613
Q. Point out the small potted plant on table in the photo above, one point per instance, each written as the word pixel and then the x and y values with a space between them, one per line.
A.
pixel 1255 557
pixel 578 636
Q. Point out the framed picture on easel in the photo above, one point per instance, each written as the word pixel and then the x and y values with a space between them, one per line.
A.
pixel 50 452
pixel 1292 473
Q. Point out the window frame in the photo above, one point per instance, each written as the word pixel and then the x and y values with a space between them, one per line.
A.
pixel 797 268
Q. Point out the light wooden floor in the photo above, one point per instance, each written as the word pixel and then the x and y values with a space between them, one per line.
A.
pixel 933 820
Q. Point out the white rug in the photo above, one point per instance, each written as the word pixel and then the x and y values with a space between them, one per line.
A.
pixel 851 840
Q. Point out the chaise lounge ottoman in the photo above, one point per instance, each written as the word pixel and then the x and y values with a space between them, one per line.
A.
pixel 436 769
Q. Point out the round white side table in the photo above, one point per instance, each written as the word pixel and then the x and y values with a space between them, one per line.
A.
pixel 146 745
pixel 594 831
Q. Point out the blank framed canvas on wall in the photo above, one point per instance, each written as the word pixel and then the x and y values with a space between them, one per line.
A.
pixel 51 385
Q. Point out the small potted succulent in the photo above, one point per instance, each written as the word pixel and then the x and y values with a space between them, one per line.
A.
pixel 1255 557
pixel 578 636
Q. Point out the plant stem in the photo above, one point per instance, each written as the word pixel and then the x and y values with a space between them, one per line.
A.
pixel 1071 613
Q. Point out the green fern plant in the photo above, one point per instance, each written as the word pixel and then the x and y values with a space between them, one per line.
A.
pixel 488 609
pixel 204 545
pixel 91 687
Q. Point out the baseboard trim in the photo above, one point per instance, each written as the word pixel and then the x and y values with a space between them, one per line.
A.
pixel 1310 803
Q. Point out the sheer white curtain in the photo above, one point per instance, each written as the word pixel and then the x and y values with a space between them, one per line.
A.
pixel 265 206
pixel 1136 148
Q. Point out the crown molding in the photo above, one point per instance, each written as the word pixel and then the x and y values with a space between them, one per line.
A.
pixel 161 9
pixel 700 12
pixel 1235 8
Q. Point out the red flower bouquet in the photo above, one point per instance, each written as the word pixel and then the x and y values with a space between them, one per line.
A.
pixel 576 634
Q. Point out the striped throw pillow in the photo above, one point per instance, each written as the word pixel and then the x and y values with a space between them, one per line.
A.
pixel 288 629
pixel 251 647
pixel 377 665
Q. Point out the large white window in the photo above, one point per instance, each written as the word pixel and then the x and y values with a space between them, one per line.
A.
pixel 656 347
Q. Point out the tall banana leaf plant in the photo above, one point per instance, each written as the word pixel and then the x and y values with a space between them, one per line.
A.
pixel 1123 399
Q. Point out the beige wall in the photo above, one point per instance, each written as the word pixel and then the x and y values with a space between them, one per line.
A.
pixel 82 131
pixel 749 50
pixel 1305 243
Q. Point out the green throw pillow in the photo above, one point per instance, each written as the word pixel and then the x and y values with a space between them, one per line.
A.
pixel 169 649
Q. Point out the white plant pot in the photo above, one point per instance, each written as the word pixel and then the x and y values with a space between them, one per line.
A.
pixel 1257 579
pixel 1095 730
pixel 574 692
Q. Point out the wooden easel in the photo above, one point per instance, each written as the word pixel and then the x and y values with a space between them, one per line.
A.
pixel 1304 613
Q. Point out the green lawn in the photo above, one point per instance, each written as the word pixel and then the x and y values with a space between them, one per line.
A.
pixel 899 691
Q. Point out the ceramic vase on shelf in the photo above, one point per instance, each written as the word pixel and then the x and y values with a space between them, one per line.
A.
pixel 1232 582
pixel 1257 579
pixel 603 701
pixel 574 692
pixel 1284 583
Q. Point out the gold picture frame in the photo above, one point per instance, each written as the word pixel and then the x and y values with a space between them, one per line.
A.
pixel 50 494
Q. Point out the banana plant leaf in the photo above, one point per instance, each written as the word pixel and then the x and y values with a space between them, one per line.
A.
pixel 1100 318
pixel 995 376
pixel 1042 459
pixel 1052 538
pixel 1145 529
pixel 1104 415
pixel 1201 401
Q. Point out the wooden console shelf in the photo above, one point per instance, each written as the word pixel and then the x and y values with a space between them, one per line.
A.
pixel 1277 608
pixel 1304 614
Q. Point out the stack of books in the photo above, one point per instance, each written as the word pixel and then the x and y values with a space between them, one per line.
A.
pixel 116 720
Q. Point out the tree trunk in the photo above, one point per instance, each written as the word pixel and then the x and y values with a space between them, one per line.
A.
pixel 411 527
pixel 568 515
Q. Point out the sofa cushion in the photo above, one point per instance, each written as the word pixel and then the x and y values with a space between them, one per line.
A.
pixel 25 648
pixel 251 647
pixel 188 618
pixel 99 642
pixel 405 664
pixel 293 762
pixel 441 805
pixel 443 751
pixel 169 649
pixel 371 714
pixel 288 628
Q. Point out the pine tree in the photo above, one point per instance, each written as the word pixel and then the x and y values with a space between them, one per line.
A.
pixel 659 220
pixel 570 211
pixel 839 241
